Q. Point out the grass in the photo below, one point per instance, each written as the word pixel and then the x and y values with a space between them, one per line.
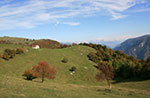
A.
pixel 80 85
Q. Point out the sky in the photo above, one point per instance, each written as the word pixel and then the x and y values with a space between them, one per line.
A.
pixel 75 20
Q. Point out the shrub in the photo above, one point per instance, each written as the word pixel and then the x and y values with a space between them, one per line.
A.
pixel 8 53
pixel 29 74
pixel 19 50
pixel 65 60
pixel 72 69
pixel 6 56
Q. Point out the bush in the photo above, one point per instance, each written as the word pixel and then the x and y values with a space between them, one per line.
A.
pixel 65 60
pixel 72 69
pixel 19 50
pixel 29 74
pixel 8 53
pixel 6 56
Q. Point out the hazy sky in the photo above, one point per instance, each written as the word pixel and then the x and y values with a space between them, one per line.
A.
pixel 75 20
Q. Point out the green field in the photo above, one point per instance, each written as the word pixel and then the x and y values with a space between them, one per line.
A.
pixel 82 84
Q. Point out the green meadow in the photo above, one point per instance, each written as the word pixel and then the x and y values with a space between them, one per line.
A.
pixel 82 84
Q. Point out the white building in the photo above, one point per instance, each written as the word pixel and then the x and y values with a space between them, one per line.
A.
pixel 36 47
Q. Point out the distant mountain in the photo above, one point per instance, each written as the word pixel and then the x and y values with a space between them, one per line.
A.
pixel 138 47
pixel 109 44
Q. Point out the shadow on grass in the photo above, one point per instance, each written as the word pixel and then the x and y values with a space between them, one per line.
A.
pixel 121 80
pixel 95 66
pixel 105 90
pixel 33 80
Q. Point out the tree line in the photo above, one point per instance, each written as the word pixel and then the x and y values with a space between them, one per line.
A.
pixel 124 66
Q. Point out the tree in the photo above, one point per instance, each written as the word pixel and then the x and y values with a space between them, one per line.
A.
pixel 43 70
pixel 106 72
pixel 145 73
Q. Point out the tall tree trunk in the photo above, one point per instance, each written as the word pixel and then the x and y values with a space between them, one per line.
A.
pixel 109 84
pixel 42 77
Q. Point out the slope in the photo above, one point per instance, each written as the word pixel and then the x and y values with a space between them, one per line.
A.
pixel 138 47
pixel 80 85
pixel 43 43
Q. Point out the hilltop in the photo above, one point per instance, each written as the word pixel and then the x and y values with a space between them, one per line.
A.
pixel 43 43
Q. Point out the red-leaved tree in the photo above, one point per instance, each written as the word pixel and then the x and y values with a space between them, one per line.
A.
pixel 106 72
pixel 43 70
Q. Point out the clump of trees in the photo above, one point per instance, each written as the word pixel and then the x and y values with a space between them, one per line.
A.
pixel 93 57
pixel 106 72
pixel 145 72
pixel 10 53
pixel 42 70
pixel 126 67
pixel 65 45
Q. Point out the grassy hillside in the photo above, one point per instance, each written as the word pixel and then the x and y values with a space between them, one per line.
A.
pixel 80 85
pixel 43 43
pixel 16 40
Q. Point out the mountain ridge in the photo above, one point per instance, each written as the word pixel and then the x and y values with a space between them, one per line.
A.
pixel 138 47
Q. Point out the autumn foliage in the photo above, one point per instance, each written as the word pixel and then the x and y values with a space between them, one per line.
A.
pixel 125 67
pixel 10 53
pixel 29 74
pixel 20 50
pixel 42 70
pixel 106 72
pixel 46 43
